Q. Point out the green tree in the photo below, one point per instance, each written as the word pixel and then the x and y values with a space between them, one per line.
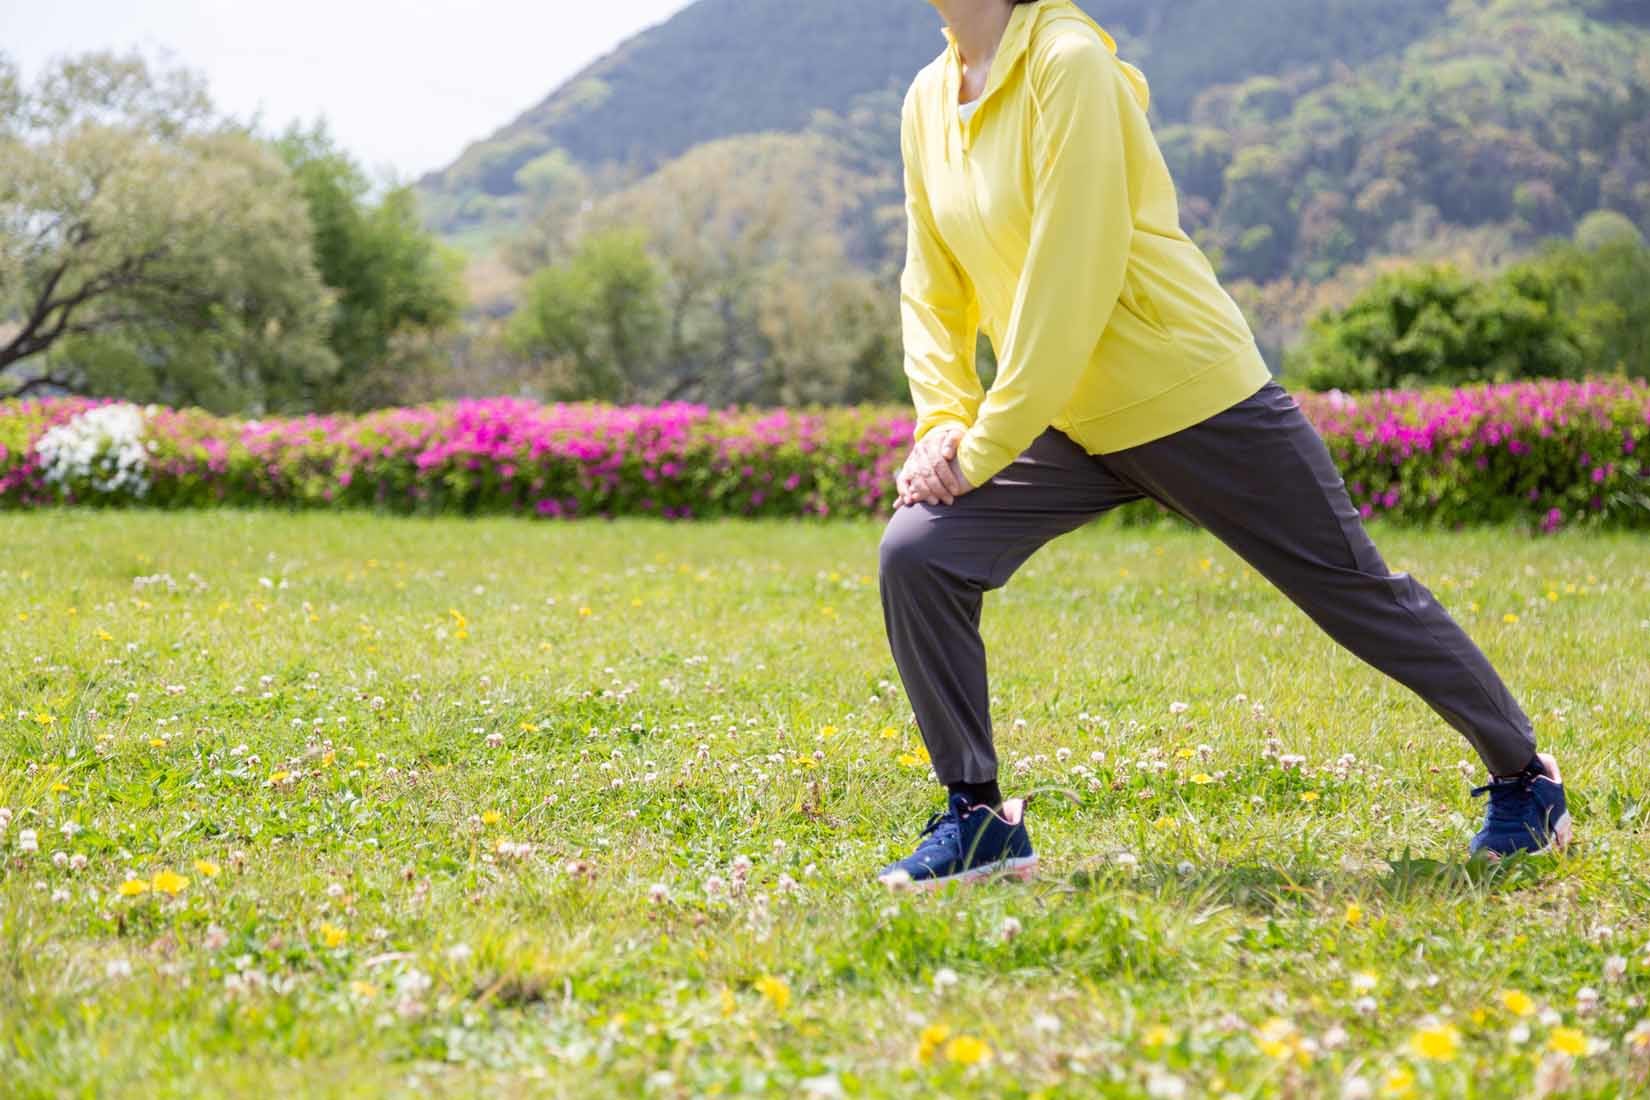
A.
pixel 1436 326
pixel 391 276
pixel 748 235
pixel 1605 275
pixel 597 319
pixel 147 249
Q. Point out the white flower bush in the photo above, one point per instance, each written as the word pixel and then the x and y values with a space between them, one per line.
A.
pixel 102 449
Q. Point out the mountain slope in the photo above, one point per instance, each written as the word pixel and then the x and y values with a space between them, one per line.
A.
pixel 1312 141
pixel 725 67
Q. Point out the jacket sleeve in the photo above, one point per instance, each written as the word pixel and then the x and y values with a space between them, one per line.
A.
pixel 939 315
pixel 1081 223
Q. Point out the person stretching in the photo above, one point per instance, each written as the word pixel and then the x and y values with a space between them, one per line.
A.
pixel 1040 210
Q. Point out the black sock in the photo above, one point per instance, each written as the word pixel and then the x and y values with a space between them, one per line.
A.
pixel 1533 770
pixel 979 793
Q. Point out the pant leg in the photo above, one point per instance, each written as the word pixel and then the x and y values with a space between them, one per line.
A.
pixel 1259 478
pixel 937 561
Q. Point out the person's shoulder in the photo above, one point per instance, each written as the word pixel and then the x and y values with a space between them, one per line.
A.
pixel 1063 37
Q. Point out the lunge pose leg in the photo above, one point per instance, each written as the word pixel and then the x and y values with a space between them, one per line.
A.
pixel 1040 210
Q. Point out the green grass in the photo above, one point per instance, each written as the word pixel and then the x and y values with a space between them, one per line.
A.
pixel 730 693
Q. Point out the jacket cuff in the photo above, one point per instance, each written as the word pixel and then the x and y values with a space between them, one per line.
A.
pixel 978 463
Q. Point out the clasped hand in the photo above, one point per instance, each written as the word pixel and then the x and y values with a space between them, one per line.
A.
pixel 931 474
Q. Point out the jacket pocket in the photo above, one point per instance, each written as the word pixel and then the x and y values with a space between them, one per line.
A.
pixel 1140 305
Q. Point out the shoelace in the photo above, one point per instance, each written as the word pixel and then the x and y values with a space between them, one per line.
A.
pixel 1508 799
pixel 945 827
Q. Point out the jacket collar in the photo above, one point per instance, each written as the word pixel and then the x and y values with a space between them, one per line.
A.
pixel 1010 49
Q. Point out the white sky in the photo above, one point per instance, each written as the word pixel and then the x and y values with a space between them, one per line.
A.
pixel 404 86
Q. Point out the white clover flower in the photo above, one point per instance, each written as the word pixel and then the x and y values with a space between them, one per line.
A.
pixel 1165 1086
pixel 27 840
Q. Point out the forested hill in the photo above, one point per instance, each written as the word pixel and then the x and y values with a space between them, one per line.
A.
pixel 1305 135
pixel 724 67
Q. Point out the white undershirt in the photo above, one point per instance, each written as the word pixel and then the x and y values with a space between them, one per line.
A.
pixel 966 110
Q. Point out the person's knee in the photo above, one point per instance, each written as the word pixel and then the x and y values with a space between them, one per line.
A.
pixel 908 546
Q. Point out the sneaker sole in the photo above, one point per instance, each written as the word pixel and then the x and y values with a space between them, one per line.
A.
pixel 1020 869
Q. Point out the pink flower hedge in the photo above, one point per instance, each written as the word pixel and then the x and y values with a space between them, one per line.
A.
pixel 1546 454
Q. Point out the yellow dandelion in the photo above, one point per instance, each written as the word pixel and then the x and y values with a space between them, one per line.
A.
pixel 1309 796
pixel 491 817
pixel 45 719
pixel 1276 1039
pixel 1509 618
pixel 104 635
pixel 1436 1044
pixel 1517 1002
pixel 132 887
pixel 1354 912
pixel 966 1050
pixel 59 787
pixel 1164 823
pixel 584 612
pixel 1398 1085
pixel 1202 778
pixel 889 733
pixel 280 776
pixel 930 1040
pixel 1156 1036
pixel 156 743
pixel 529 727
pixel 914 758
pixel 206 868
pixel 775 990
pixel 827 731
pixel 1185 754
pixel 1568 1040
pixel 366 991
pixel 169 882
pixel 333 936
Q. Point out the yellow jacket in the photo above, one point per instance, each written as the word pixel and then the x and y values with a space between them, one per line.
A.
pixel 1049 221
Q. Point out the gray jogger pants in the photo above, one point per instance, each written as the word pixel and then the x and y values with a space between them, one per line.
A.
pixel 1257 477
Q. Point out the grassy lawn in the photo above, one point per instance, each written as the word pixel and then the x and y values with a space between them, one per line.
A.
pixel 502 808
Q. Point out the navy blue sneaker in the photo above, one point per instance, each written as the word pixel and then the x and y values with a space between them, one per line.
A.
pixel 965 842
pixel 1526 813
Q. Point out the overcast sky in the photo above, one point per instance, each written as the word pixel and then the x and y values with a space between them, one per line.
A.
pixel 403 85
